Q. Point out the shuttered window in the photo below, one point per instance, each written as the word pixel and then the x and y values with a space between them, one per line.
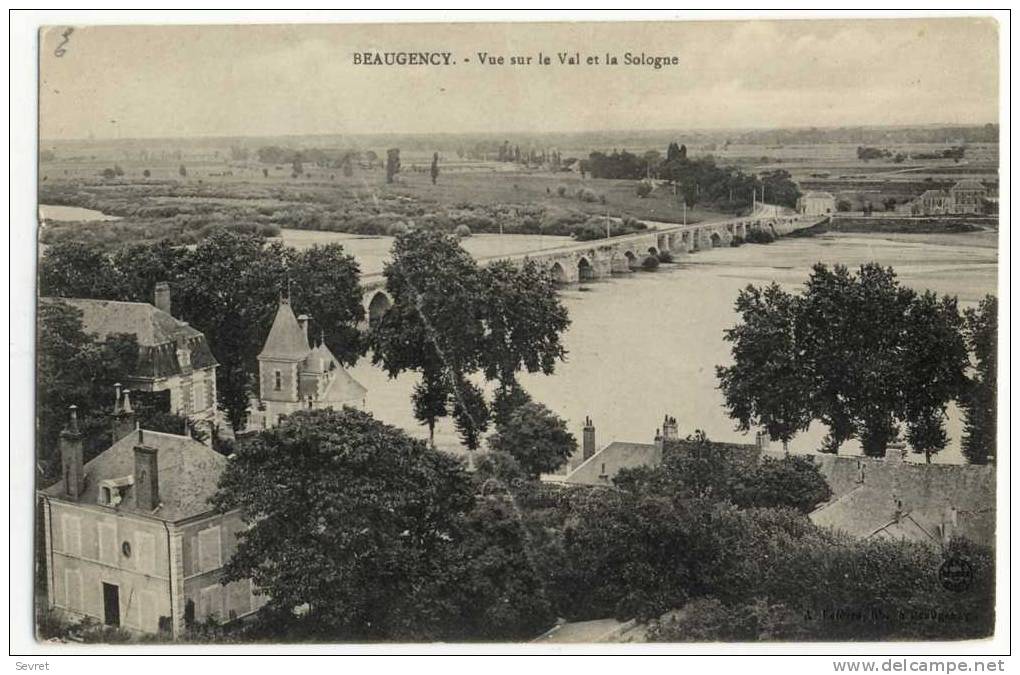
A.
pixel 71 534
pixel 209 557
pixel 145 550
pixel 107 542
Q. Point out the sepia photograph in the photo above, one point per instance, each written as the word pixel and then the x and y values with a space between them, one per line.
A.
pixel 518 333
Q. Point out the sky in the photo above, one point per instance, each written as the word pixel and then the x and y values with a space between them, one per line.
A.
pixel 272 80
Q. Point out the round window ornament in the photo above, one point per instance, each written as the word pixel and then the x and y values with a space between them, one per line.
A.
pixel 125 548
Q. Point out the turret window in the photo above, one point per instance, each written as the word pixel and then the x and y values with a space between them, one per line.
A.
pixel 277 380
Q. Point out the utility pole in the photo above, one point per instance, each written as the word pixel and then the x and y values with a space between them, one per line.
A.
pixel 685 213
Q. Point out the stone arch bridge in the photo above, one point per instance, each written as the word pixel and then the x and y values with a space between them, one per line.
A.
pixel 599 259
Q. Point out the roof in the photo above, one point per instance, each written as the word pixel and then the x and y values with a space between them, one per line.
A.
pixel 924 492
pixel 287 340
pixel 968 185
pixel 934 193
pixel 343 388
pixel 157 333
pixel 188 474
pixel 818 195
pixel 611 459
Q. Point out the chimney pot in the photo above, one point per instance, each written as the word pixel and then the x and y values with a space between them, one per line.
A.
pixel 587 439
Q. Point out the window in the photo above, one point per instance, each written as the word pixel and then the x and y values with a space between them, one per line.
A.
pixel 197 397
pixel 71 534
pixel 277 380
pixel 145 545
pixel 209 549
pixel 107 542
pixel 73 592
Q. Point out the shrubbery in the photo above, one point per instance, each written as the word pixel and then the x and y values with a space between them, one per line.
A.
pixel 760 237
pixel 650 263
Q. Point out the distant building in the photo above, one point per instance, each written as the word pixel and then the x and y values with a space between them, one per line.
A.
pixel 601 467
pixel 296 376
pixel 172 356
pixel 816 204
pixel 968 196
pixel 131 539
pixel 894 499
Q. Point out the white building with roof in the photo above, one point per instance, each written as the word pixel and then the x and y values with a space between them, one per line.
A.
pixel 131 539
pixel 816 204
pixel 293 375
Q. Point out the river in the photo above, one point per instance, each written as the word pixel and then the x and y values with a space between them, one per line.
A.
pixel 646 344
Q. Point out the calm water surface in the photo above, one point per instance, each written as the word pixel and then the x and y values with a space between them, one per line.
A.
pixel 646 344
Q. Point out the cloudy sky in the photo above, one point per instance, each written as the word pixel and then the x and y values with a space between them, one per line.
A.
pixel 127 82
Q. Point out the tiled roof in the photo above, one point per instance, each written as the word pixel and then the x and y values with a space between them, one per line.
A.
pixel 343 388
pixel 156 331
pixel 188 474
pixel 287 340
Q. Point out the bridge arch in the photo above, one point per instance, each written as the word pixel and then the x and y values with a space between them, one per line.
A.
pixel 585 271
pixel 559 275
pixel 653 251
pixel 662 242
pixel 378 305
pixel 632 261
pixel 716 239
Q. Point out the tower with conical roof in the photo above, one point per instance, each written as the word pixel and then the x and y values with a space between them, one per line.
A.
pixel 280 361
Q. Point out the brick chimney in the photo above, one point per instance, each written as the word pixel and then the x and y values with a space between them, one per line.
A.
pixel 123 414
pixel 161 297
pixel 303 320
pixel 587 439
pixel 658 440
pixel 72 457
pixel 146 476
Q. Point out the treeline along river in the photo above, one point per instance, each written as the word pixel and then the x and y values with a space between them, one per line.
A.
pixel 647 344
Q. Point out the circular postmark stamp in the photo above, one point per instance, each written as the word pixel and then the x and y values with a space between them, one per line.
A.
pixel 956 574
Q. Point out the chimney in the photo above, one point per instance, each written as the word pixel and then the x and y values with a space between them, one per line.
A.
pixel 146 476
pixel 161 297
pixel 303 320
pixel 71 457
pixel 658 440
pixel 670 430
pixel 761 439
pixel 587 439
pixel 123 414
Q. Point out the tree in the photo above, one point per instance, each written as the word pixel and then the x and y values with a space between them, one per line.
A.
pixel 433 326
pixel 979 399
pixel 74 369
pixel 673 152
pixel 434 171
pixel 791 482
pixel 934 360
pixel 506 401
pixel 392 164
pixel 524 321
pixel 350 518
pixel 72 269
pixel 146 173
pixel 183 171
pixel 767 384
pixel 536 438
pixel 643 188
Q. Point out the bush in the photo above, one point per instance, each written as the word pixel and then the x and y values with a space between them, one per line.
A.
pixel 665 257
pixel 587 195
pixel 561 190
pixel 650 263
pixel 643 189
pixel 462 231
pixel 736 241
pixel 399 227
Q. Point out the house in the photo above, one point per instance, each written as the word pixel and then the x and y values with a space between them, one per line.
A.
pixel 816 204
pixel 173 357
pixel 131 539
pixel 895 499
pixel 968 196
pixel 293 375
pixel 601 467
pixel 933 202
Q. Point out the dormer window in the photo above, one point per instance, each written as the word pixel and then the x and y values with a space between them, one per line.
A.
pixel 113 490
pixel 277 380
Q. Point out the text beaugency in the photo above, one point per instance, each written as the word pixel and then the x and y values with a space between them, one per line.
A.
pixel 429 58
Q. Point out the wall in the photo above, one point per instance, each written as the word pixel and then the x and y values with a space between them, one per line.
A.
pixel 87 550
pixel 288 380
pixel 207 546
